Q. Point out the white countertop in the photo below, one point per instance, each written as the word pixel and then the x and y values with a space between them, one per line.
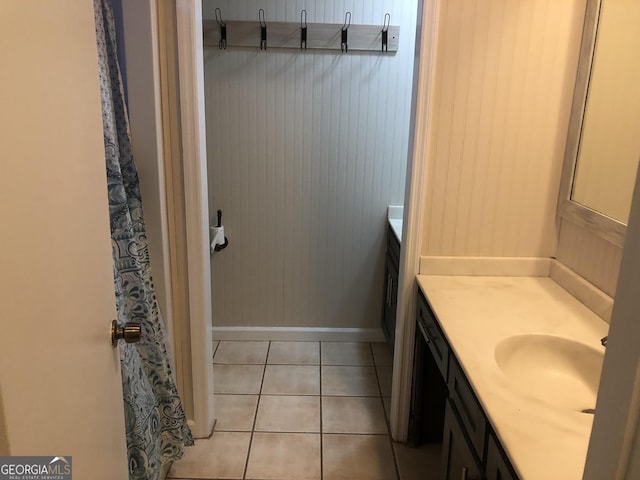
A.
pixel 394 216
pixel 542 441
pixel 396 226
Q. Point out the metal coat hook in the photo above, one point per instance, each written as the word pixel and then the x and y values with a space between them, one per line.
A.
pixel 263 30
pixel 344 47
pixel 222 44
pixel 385 32
pixel 303 30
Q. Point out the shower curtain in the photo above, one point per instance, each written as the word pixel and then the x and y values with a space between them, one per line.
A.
pixel 156 426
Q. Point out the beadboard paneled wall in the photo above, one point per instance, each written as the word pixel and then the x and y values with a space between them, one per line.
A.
pixel 504 82
pixel 590 256
pixel 306 151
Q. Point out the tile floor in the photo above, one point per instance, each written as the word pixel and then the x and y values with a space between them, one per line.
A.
pixel 303 411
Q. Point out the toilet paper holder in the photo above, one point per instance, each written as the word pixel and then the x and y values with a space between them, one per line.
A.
pixel 220 241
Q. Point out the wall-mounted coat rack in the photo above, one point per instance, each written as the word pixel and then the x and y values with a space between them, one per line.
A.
pixel 324 36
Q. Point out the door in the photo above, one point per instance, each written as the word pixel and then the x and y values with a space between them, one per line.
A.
pixel 60 388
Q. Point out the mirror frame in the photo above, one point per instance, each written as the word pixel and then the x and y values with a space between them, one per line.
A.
pixel 610 229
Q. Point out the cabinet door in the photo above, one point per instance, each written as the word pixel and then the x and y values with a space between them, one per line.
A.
pixel 459 462
pixel 470 413
pixel 498 466
pixel 390 301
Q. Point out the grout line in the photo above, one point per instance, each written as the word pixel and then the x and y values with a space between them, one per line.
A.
pixel 215 350
pixel 255 416
pixel 393 450
pixel 321 432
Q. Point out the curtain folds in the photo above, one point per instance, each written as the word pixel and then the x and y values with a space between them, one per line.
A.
pixel 156 425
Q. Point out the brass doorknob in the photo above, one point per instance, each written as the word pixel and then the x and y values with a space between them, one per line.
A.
pixel 130 333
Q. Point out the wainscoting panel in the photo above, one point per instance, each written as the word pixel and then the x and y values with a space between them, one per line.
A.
pixel 504 83
pixel 306 151
pixel 591 257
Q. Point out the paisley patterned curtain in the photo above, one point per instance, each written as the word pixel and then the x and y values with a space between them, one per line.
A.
pixel 156 425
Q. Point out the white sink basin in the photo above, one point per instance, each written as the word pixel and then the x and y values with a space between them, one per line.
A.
pixel 558 371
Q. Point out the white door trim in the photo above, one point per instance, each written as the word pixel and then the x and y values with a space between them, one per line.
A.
pixel 423 74
pixel 189 29
pixel 194 155
pixel 614 447
pixel 145 121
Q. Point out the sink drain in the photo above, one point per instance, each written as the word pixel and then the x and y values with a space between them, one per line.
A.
pixel 589 410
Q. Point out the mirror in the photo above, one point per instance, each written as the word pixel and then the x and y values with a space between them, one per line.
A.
pixel 603 146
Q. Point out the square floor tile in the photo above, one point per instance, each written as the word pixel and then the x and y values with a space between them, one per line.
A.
pixel 238 379
pixel 235 413
pixel 422 463
pixel 382 354
pixel 294 353
pixel 291 380
pixel 353 415
pixel 345 353
pixel 294 414
pixel 385 377
pixel 284 456
pixel 349 381
pixel 222 456
pixel 241 353
pixel 361 457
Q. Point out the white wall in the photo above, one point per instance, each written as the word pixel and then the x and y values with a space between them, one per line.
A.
pixel 504 81
pixel 306 151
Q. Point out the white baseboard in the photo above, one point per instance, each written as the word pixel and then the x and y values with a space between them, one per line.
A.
pixel 486 266
pixel 301 334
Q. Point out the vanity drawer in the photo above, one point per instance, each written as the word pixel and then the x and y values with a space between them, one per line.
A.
pixel 428 326
pixel 467 405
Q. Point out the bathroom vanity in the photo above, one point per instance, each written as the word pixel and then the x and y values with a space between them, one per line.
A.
pixel 521 360
pixel 391 276
pixel 391 268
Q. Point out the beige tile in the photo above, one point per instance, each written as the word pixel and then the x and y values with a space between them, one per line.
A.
pixel 291 380
pixel 349 381
pixel 222 456
pixel 238 379
pixel 382 354
pixel 215 346
pixel 345 353
pixel 294 414
pixel 294 353
pixel 284 456
pixel 357 457
pixel 241 353
pixel 353 415
pixel 235 413
pixel 422 463
pixel 385 376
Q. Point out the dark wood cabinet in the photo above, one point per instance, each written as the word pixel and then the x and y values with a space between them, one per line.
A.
pixel 469 411
pixel 498 466
pixel 459 460
pixel 391 268
pixel 443 398
pixel 428 326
